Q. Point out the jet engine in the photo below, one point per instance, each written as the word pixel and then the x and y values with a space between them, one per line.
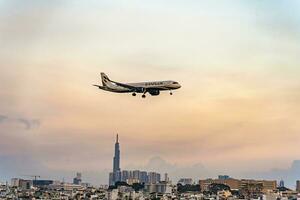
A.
pixel 154 92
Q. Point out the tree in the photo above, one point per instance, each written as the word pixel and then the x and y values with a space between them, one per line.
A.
pixel 187 188
pixel 216 187
pixel 138 186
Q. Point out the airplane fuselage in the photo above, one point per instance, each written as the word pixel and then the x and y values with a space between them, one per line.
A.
pixel 160 85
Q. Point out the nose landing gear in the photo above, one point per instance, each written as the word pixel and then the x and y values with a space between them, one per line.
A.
pixel 171 93
pixel 143 96
pixel 134 94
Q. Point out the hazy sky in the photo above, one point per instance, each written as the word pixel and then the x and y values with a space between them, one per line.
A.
pixel 237 61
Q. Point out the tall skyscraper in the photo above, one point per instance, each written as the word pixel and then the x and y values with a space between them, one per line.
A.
pixel 115 176
pixel 116 162
pixel 298 186
pixel 281 183
pixel 129 176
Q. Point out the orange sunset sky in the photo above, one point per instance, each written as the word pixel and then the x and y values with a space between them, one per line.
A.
pixel 237 61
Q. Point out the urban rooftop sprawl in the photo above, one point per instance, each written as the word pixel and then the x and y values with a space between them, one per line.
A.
pixel 139 184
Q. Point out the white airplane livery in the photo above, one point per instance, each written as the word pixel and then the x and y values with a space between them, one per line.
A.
pixel 153 88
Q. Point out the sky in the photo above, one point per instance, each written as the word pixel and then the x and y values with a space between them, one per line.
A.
pixel 237 111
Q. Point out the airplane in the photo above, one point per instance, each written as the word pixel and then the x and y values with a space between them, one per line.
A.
pixel 153 88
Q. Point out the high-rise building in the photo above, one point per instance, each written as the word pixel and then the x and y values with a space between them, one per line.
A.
pixel 116 175
pixel 21 183
pixel 153 177
pixel 161 187
pixel 15 182
pixel 125 175
pixel 298 186
pixel 281 183
pixel 77 180
pixel 166 179
pixel 143 177
pixel 136 174
pixel 116 162
pixel 111 178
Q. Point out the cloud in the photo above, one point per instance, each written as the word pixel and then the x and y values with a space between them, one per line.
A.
pixel 199 171
pixel 27 123
pixel 289 175
pixel 2 118
pixel 175 171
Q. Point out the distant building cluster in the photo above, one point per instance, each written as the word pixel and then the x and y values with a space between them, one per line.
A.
pixel 21 183
pixel 130 176
pixel 208 189
pixel 236 184
pixel 246 187
pixel 25 189
pixel 142 185
pixel 134 176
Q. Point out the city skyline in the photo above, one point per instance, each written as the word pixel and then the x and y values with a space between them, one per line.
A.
pixel 236 113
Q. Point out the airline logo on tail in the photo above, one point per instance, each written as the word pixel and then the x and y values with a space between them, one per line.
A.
pixel 105 79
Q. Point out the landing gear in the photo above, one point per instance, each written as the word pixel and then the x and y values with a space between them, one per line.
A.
pixel 144 93
pixel 171 93
pixel 134 94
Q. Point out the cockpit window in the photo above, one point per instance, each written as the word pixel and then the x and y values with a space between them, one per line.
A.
pixel 175 82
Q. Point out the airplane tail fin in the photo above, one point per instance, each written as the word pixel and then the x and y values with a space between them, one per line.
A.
pixel 105 79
